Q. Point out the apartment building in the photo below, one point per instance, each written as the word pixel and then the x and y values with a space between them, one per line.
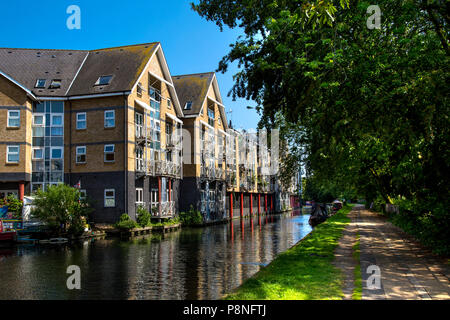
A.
pixel 204 165
pixel 107 121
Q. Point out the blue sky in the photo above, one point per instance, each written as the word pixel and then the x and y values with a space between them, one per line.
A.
pixel 190 43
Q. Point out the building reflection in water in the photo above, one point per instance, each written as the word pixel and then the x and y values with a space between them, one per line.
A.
pixel 193 263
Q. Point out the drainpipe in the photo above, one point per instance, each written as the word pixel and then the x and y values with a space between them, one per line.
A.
pixel 125 152
pixel 70 143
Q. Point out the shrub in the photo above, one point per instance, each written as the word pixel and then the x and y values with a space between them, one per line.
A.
pixel 144 217
pixel 191 217
pixel 15 206
pixel 60 208
pixel 125 222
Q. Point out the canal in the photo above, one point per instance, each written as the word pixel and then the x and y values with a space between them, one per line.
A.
pixel 203 263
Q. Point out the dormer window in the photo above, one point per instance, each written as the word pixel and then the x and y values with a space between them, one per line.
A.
pixel 40 83
pixel 56 84
pixel 188 105
pixel 103 80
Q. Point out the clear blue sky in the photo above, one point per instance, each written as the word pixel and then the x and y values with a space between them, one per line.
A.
pixel 190 43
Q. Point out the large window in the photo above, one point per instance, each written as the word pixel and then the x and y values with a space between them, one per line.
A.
pixel 139 196
pixel 110 198
pixel 81 154
pixel 110 119
pixel 81 120
pixel 47 144
pixel 12 154
pixel 211 117
pixel 13 118
pixel 109 153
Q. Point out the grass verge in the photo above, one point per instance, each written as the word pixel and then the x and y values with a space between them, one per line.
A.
pixel 357 291
pixel 305 271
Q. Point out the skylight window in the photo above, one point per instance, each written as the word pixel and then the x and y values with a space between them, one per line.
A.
pixel 188 105
pixel 103 80
pixel 56 84
pixel 40 83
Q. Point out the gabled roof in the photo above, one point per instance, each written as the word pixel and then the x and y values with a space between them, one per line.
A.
pixel 78 70
pixel 194 88
pixel 25 66
pixel 125 64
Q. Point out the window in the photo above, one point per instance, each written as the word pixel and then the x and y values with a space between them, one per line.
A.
pixel 81 155
pixel 12 154
pixel 13 118
pixel 103 80
pixel 81 120
pixel 188 105
pixel 139 195
pixel 38 120
pixel 109 153
pixel 110 198
pixel 38 153
pixel 139 89
pixel 110 119
pixel 57 153
pixel 83 194
pixel 211 117
pixel 168 103
pixel 40 83
pixel 155 94
pixel 55 84
pixel 57 120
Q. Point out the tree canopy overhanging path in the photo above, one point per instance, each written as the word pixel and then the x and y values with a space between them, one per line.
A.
pixel 408 271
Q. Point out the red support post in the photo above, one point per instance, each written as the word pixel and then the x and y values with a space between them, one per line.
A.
pixel 251 205
pixel 242 204
pixel 231 205
pixel 21 190
pixel 265 203
pixel 259 204
pixel 170 190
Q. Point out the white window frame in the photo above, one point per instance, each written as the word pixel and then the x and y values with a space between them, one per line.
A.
pixel 38 148
pixel 139 196
pixel 12 153
pixel 59 116
pixel 85 120
pixel 13 118
pixel 83 194
pixel 105 153
pixel 113 118
pixel 80 154
pixel 107 198
pixel 56 148
pixel 43 119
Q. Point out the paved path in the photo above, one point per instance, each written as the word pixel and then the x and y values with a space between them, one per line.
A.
pixel 408 271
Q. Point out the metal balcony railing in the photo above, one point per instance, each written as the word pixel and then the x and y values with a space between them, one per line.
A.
pixel 164 209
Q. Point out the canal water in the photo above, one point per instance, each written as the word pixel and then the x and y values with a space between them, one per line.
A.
pixel 203 263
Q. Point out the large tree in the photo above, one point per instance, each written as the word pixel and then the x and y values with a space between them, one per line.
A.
pixel 369 107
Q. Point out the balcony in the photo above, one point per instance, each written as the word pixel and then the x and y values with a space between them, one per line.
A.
pixel 144 136
pixel 173 141
pixel 206 171
pixel 157 168
pixel 163 210
pixel 219 173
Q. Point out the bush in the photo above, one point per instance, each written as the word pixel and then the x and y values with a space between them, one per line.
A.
pixel 428 221
pixel 14 205
pixel 144 217
pixel 125 222
pixel 60 208
pixel 192 217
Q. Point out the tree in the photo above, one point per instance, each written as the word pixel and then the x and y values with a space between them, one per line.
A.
pixel 370 107
pixel 61 208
